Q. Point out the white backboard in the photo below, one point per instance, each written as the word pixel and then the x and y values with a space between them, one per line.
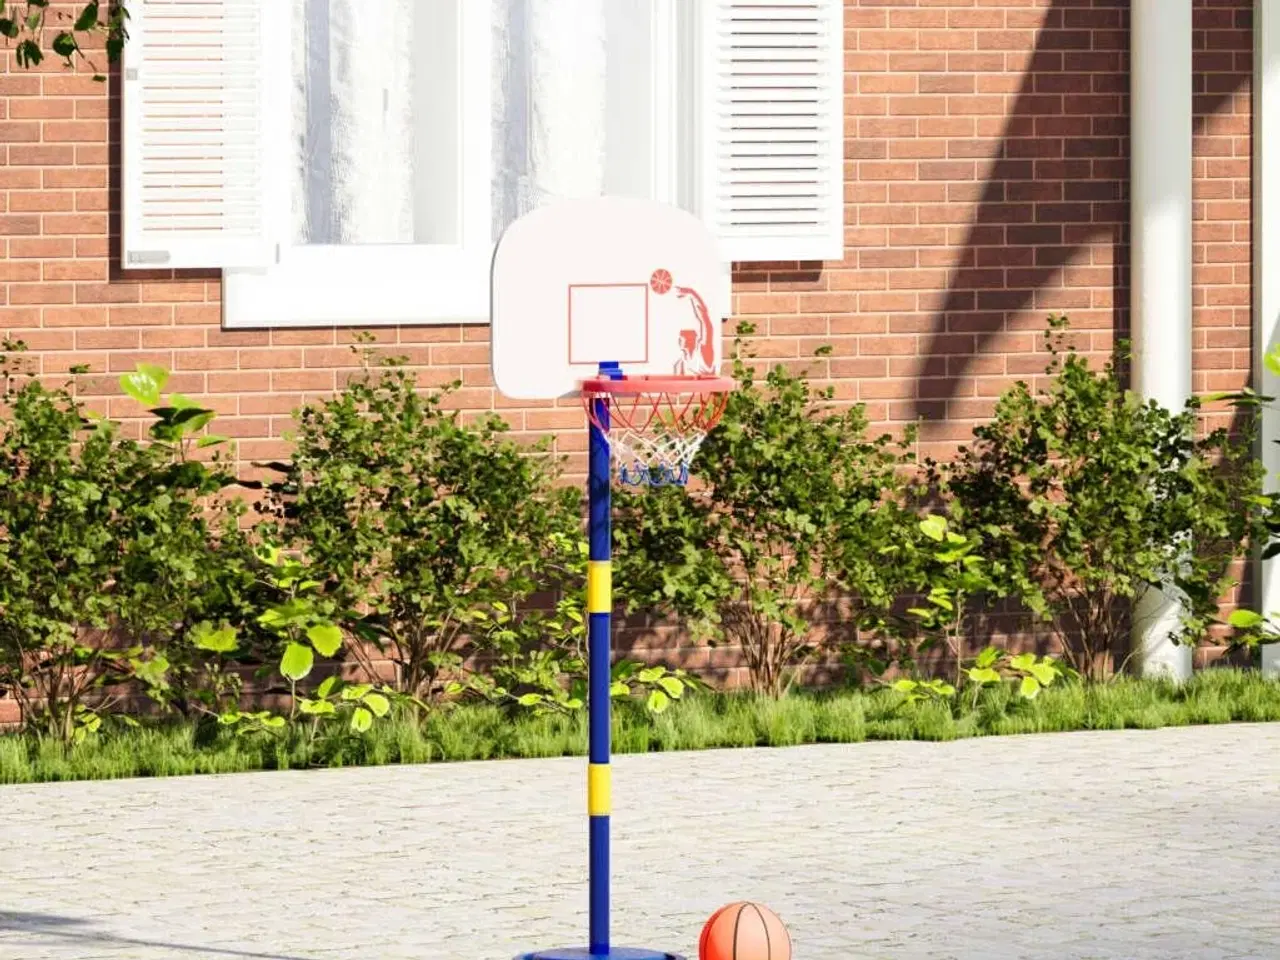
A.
pixel 582 282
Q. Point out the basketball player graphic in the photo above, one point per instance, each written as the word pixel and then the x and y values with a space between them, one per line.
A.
pixel 697 344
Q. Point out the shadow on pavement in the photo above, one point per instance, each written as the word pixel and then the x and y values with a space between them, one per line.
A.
pixel 48 928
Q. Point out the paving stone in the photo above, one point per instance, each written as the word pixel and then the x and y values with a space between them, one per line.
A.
pixel 1141 845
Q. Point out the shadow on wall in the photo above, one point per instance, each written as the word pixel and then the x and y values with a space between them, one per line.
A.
pixel 1060 179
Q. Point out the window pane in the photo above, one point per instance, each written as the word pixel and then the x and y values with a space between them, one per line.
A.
pixel 354 121
pixel 572 94
pixel 375 108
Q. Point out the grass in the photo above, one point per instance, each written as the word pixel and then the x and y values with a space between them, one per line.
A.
pixel 700 722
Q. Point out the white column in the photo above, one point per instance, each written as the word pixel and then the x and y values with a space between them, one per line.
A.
pixel 1160 184
pixel 1266 271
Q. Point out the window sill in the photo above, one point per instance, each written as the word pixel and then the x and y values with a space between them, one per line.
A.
pixel 364 286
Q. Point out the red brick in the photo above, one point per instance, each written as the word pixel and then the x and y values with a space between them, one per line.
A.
pixel 25 225
pixel 137 316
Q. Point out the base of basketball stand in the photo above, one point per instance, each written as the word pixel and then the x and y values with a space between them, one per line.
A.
pixel 615 953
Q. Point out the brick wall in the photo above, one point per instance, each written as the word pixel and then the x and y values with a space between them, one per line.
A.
pixel 986 186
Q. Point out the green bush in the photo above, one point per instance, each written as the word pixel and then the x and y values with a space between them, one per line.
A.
pixel 1084 497
pixel 463 552
pixel 105 544
pixel 947 577
pixel 788 506
pixel 431 525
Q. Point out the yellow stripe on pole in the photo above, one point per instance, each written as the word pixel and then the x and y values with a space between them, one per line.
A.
pixel 599 791
pixel 599 586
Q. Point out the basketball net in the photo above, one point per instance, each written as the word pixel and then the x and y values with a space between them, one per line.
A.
pixel 653 459
pixel 657 424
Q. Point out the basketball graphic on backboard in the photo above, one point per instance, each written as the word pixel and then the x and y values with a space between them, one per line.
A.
pixel 583 282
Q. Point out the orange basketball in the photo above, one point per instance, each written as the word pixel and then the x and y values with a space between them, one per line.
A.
pixel 744 931
pixel 660 280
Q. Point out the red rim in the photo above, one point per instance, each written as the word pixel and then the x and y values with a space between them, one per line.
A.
pixel 677 404
pixel 672 384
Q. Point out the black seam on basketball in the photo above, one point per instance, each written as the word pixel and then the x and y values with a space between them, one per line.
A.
pixel 736 920
pixel 768 944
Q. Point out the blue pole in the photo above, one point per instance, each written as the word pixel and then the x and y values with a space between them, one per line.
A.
pixel 599 678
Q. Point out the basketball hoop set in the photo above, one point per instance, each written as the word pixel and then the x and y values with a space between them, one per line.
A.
pixel 615 301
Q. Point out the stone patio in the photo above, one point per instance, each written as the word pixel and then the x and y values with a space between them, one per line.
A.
pixel 1162 844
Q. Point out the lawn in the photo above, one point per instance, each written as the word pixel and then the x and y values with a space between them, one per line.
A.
pixel 699 722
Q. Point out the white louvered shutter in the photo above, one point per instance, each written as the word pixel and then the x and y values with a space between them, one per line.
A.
pixel 203 120
pixel 772 127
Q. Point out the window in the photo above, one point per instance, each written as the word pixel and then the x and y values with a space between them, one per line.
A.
pixel 364 179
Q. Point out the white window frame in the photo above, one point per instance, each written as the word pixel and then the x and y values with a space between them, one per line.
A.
pixel 754 146
pixel 372 285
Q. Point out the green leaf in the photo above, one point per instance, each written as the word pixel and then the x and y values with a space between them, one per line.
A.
pixel 1045 673
pixel 145 383
pixel 983 675
pixel 88 18
pixel 941 601
pixel 658 701
pixel 1271 359
pixel 1023 661
pixel 152 672
pixel 297 661
pixel 29 54
pixel 175 422
pixel 361 720
pixel 316 708
pixel 987 658
pixel 624 669
pixel 904 685
pixel 212 440
pixel 357 691
pixel 326 638
pixel 64 44
pixel 379 704
pixel 934 527
pixel 327 685
pixel 673 686
pixel 1245 619
pixel 214 639
pixel 619 688
pixel 1029 688
pixel 529 699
